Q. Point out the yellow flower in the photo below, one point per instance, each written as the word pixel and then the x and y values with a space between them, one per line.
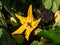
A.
pixel 57 17
pixel 29 23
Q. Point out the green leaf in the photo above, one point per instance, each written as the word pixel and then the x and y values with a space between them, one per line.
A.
pixel 19 38
pixel 9 10
pixel 50 35
pixel 43 1
pixel 5 1
pixel 47 3
pixel 1 21
pixel 58 2
pixel 58 30
pixel 7 7
pixel 51 4
pixel 37 43
pixel 55 7
pixel 1 32
pixel 5 39
pixel 1 24
pixel 0 5
pixel 0 8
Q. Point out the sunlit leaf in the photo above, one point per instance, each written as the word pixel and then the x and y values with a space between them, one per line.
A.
pixel 37 43
pixel 50 35
pixel 58 2
pixel 47 3
pixel 55 7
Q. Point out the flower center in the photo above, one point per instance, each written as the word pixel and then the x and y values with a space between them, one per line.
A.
pixel 29 24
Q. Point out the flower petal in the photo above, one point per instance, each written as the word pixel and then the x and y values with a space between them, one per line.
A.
pixel 57 17
pixel 22 19
pixel 35 23
pixel 28 31
pixel 30 15
pixel 20 29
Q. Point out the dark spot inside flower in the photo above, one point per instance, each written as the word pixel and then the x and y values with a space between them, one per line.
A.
pixel 29 24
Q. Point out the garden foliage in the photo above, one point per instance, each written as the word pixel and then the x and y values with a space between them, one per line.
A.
pixel 8 9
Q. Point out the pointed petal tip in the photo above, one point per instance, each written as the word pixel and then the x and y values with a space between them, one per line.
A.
pixel 30 5
pixel 12 33
pixel 39 19
pixel 16 15
pixel 27 38
pixel 30 14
